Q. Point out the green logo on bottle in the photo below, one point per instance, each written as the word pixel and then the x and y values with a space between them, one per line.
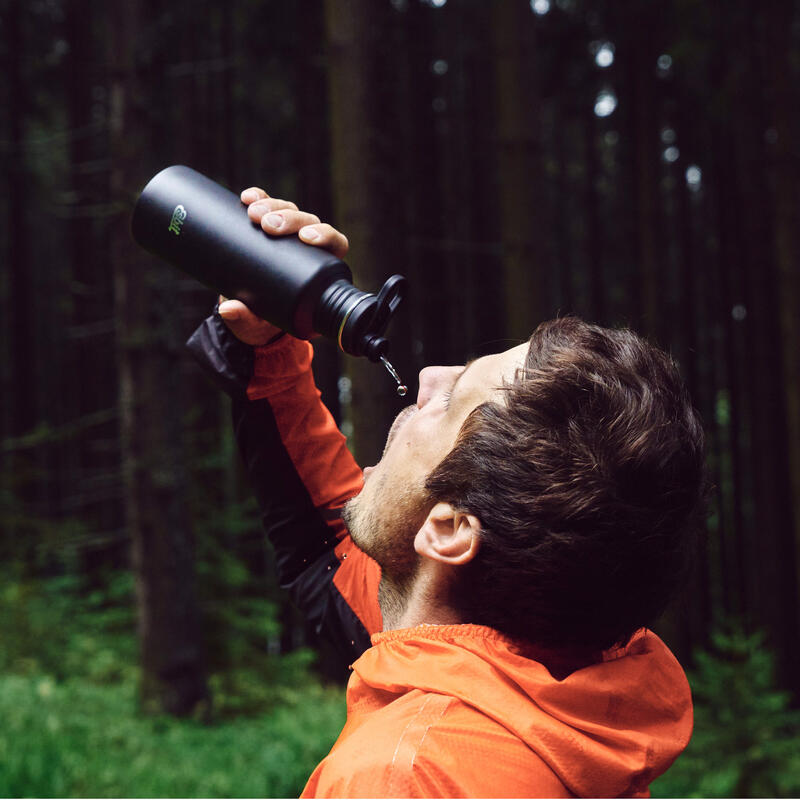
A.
pixel 178 217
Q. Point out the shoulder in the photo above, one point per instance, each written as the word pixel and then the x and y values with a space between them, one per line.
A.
pixel 432 745
pixel 467 753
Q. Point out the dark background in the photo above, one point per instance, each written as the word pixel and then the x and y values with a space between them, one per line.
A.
pixel 632 162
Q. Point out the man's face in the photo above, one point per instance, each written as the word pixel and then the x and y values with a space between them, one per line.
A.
pixel 385 517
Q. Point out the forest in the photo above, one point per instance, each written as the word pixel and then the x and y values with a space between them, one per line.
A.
pixel 632 162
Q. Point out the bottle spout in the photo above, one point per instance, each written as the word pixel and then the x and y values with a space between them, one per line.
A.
pixel 389 298
pixel 357 320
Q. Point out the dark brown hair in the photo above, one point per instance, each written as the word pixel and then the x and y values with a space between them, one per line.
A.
pixel 588 479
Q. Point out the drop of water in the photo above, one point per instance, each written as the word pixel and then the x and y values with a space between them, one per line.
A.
pixel 402 389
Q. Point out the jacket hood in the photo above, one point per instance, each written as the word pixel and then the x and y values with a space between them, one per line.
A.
pixel 606 729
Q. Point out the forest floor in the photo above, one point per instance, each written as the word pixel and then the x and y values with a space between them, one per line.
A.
pixel 78 739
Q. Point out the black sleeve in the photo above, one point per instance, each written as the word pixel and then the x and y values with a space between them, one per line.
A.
pixel 302 537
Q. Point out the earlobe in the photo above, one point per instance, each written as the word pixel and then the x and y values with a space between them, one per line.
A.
pixel 448 535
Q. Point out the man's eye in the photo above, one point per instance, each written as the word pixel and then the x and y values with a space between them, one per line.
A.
pixel 446 399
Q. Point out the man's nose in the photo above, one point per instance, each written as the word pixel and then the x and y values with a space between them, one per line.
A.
pixel 431 381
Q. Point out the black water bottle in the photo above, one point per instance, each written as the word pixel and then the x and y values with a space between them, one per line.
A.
pixel 202 228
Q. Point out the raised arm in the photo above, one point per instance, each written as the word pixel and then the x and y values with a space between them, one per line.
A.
pixel 298 461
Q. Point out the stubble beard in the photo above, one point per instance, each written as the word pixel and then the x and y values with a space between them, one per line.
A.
pixel 384 525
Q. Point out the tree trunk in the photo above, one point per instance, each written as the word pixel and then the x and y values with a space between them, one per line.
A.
pixel 364 192
pixel 173 676
pixel 21 323
pixel 421 331
pixel 639 56
pixel 561 217
pixel 520 167
pixel 785 168
pixel 777 597
pixel 593 247
pixel 87 460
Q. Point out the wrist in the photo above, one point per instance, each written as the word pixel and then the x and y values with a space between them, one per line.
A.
pixel 279 335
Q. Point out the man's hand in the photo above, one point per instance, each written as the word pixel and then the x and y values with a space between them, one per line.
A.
pixel 278 218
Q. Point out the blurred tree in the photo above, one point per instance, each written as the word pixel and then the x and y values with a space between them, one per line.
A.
pixel 779 54
pixel 361 118
pixel 171 652
pixel 640 25
pixel 89 469
pixel 520 169
pixel 20 292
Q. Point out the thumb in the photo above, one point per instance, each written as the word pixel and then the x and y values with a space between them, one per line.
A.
pixel 230 310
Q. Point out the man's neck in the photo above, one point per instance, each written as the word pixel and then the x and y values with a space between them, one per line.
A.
pixel 419 603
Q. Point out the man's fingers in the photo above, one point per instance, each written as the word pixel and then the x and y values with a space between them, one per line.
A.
pixel 324 235
pixel 282 217
pixel 252 194
pixel 257 210
pixel 286 221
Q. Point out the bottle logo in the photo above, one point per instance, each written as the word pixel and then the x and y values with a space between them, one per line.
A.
pixel 178 217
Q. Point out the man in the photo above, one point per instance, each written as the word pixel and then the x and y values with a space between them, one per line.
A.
pixel 530 515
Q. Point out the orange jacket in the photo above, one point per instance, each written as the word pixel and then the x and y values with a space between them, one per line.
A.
pixel 446 711
pixel 459 711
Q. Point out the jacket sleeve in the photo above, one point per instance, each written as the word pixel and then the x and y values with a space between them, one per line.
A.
pixel 302 474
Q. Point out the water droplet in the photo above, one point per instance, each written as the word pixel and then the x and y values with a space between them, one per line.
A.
pixel 344 555
pixel 402 389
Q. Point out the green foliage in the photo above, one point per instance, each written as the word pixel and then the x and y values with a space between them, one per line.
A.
pixel 76 739
pixel 746 740
pixel 240 619
pixel 68 680
pixel 240 611
pixel 62 628
pixel 248 691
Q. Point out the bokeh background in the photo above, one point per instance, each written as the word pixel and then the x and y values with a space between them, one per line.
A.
pixel 630 161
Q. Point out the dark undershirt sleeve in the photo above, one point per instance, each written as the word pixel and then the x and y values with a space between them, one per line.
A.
pixel 301 474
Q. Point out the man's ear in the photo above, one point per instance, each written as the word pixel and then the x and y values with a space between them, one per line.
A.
pixel 449 536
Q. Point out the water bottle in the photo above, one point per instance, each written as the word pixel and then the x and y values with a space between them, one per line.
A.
pixel 202 228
